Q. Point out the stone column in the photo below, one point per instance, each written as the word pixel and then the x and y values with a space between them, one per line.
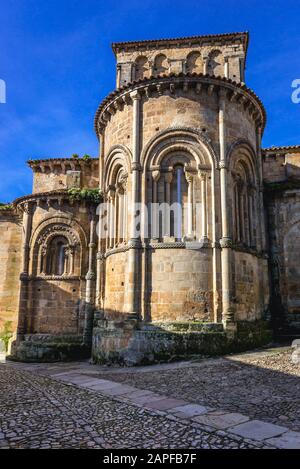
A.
pixel 133 301
pixel 111 218
pixel 205 65
pixel 226 68
pixel 118 76
pixel 155 218
pixel 262 242
pixel 225 242
pixel 125 211
pixel 168 180
pixel 23 319
pixel 100 221
pixel 203 178
pixel 189 178
pixel 90 281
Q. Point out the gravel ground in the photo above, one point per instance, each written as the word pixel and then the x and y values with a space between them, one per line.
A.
pixel 263 385
pixel 40 412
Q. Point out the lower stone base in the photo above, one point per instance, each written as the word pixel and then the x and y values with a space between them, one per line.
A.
pixel 49 348
pixel 128 343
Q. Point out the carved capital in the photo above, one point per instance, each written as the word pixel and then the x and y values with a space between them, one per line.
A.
pixel 156 175
pixel 222 164
pixel 135 166
pixel 168 177
pixel 135 95
pixel 226 243
pixel 202 174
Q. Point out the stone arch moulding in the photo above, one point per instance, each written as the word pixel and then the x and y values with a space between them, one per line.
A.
pixel 187 139
pixel 56 226
pixel 119 155
pixel 295 220
pixel 242 149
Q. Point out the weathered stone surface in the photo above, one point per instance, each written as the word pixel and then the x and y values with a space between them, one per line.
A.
pixel 258 430
pixel 190 410
pixel 49 414
pixel 289 440
pixel 221 421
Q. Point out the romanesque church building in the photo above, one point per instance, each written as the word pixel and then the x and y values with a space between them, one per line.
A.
pixel 182 237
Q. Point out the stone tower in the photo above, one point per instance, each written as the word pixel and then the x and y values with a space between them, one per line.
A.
pixel 183 128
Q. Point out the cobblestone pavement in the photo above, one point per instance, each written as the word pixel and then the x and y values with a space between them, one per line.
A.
pixel 41 412
pixel 264 385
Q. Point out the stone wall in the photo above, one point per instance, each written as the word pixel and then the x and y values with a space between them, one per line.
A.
pixel 10 262
pixel 284 234
pixel 179 285
pixel 251 286
pixel 54 174
pixel 201 55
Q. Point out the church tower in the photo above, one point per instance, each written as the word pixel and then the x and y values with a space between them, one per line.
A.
pixel 182 130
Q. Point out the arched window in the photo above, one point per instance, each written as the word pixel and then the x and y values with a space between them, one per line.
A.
pixel 141 67
pixel 161 65
pixel 244 207
pixel 57 256
pixel 194 63
pixel 117 208
pixel 215 64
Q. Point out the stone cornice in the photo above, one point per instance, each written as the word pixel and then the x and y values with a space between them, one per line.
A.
pixel 225 38
pixel 61 164
pixel 41 195
pixel 156 86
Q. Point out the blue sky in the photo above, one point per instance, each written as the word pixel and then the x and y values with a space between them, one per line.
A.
pixel 56 60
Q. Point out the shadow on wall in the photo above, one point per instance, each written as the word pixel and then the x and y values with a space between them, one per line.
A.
pixel 55 326
pixel 130 342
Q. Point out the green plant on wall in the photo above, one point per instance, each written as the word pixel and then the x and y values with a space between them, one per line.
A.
pixel 90 195
pixel 86 157
pixel 6 333
pixel 5 206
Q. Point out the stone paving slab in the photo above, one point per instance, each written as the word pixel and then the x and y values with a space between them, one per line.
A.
pixel 137 393
pixel 117 391
pixel 99 385
pixel 258 430
pixel 144 400
pixel 190 410
pixel 165 404
pixel 221 421
pixel 289 440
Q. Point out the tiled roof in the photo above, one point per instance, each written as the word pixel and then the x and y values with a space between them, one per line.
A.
pixel 290 148
pixel 244 36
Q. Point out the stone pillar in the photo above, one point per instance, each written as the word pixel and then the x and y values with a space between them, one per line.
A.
pixel 225 242
pixel 168 180
pixel 189 178
pixel 261 218
pixel 133 291
pixel 205 65
pixel 203 178
pixel 118 76
pixel 120 214
pixel 111 218
pixel 125 211
pixel 226 68
pixel 90 287
pixel 155 218
pixel 23 319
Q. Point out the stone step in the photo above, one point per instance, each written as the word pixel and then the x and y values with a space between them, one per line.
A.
pixel 184 326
